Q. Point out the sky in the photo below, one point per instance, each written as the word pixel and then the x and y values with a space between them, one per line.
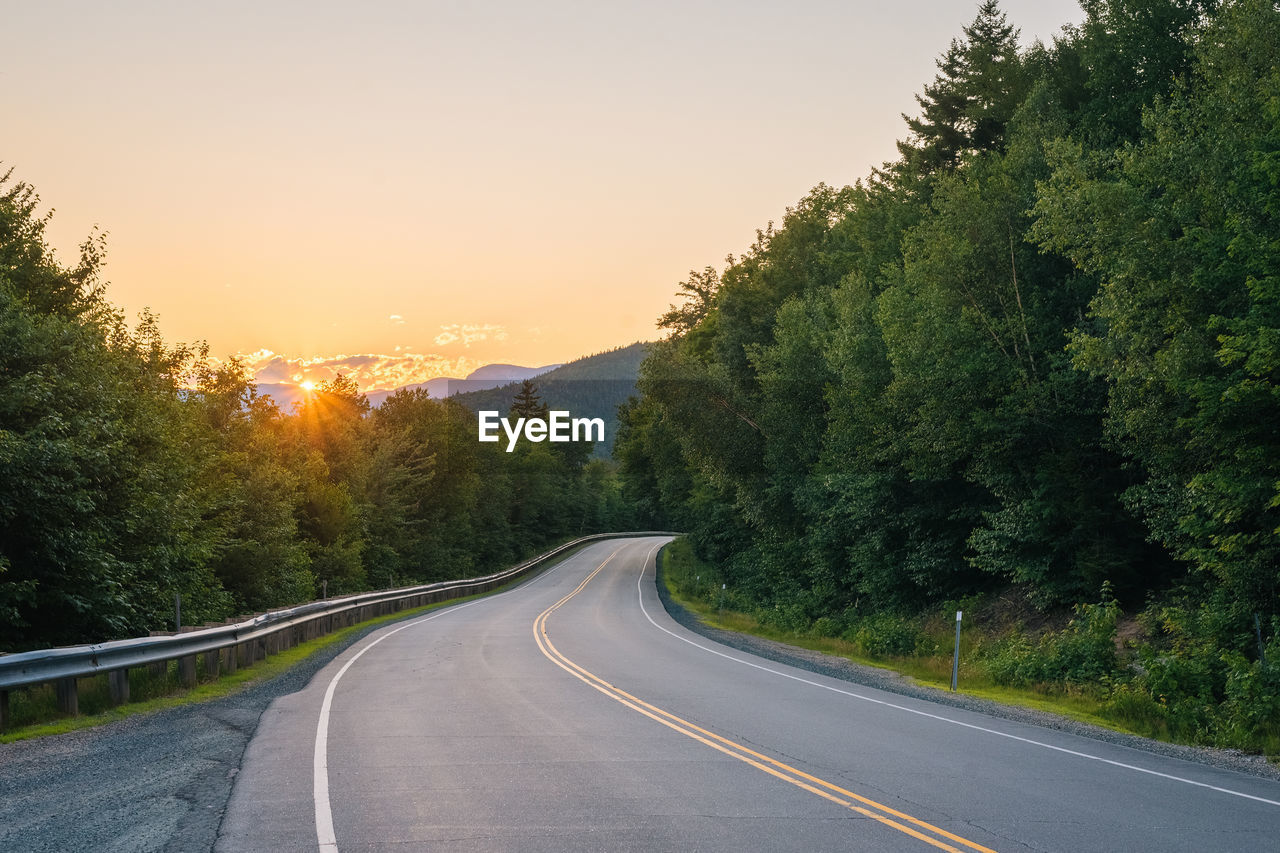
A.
pixel 407 190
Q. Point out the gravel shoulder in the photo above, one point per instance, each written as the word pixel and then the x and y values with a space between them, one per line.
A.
pixel 153 782
pixel 893 682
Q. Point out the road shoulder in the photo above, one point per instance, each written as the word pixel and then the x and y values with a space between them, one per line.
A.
pixel 889 681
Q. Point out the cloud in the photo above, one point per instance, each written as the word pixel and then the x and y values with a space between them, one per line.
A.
pixel 371 371
pixel 397 319
pixel 469 333
pixel 275 368
pixel 350 362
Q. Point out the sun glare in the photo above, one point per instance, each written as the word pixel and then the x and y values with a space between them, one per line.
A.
pixel 308 386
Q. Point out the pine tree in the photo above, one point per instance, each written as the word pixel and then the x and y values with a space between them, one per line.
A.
pixel 527 403
pixel 970 102
pixel 938 135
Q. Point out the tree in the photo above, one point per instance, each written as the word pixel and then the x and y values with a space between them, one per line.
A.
pixel 102 493
pixel 1180 228
pixel 699 293
pixel 527 403
pixel 967 107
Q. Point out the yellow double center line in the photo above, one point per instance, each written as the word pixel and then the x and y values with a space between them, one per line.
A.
pixel 916 828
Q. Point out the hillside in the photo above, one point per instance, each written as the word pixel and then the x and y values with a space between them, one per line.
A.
pixel 488 376
pixel 593 386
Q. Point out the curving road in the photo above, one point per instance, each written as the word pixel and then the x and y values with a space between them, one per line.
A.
pixel 572 713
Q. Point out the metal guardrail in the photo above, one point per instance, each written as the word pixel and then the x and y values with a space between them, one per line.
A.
pixel 228 646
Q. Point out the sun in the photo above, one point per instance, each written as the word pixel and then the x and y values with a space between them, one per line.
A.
pixel 308 386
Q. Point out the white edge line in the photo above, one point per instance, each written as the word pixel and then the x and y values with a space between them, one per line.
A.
pixel 640 591
pixel 325 835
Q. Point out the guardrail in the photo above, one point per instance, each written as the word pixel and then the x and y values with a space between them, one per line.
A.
pixel 227 647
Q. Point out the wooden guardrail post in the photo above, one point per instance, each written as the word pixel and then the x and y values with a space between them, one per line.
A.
pixel 211 663
pixel 118 685
pixel 68 697
pixel 187 671
pixel 4 710
pixel 229 659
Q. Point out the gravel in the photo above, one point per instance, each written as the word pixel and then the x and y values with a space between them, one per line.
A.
pixel 153 782
pixel 892 682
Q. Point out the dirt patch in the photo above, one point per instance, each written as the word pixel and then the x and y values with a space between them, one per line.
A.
pixel 1012 610
pixel 1129 634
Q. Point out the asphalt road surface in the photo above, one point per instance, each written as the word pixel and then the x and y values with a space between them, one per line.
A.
pixel 573 714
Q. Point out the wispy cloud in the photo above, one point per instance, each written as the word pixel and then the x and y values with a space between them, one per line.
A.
pixel 371 371
pixel 469 333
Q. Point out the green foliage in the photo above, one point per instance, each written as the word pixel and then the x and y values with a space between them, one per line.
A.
pixel 969 104
pixel 884 635
pixel 1180 228
pixel 1187 684
pixel 1083 653
pixel 1040 348
pixel 102 465
pixel 132 471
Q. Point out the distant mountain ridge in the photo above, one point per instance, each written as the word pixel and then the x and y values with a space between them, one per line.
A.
pixel 508 372
pixel 593 387
pixel 621 364
pixel 488 376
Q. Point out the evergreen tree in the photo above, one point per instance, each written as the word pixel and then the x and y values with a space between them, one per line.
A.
pixel 972 99
pixel 527 403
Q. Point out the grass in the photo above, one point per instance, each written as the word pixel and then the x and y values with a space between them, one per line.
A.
pixel 695 586
pixel 34 711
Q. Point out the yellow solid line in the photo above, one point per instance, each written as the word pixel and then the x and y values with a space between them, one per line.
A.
pixel 708 738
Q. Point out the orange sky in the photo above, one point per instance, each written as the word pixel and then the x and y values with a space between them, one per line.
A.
pixel 423 188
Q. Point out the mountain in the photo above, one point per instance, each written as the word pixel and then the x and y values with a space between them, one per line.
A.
pixel 492 376
pixel 508 372
pixel 482 378
pixel 284 394
pixel 591 387
pixel 437 388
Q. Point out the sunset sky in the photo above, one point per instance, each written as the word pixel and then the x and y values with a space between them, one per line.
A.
pixel 413 189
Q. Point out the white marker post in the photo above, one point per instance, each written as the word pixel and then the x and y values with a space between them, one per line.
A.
pixel 955 660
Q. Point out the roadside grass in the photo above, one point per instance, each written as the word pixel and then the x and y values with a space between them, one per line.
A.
pixel 34 711
pixel 694 585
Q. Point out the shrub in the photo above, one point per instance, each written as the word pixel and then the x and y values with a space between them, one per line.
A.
pixel 885 635
pixel 825 626
pixel 1082 653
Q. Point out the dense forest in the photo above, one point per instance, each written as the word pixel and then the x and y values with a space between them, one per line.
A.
pixel 132 470
pixel 1037 352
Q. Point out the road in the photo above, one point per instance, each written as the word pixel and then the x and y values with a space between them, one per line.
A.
pixel 573 714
